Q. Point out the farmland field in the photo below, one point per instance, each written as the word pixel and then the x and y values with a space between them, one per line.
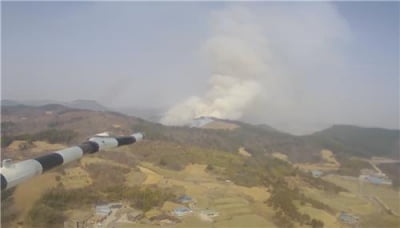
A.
pixel 386 193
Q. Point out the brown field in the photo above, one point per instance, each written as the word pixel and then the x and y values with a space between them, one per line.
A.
pixel 93 160
pixel 15 145
pixel 281 156
pixel 151 176
pixel 330 163
pixel 387 194
pixel 329 158
pixel 40 146
pixel 237 205
pixel 76 178
pixel 243 152
pixel 134 178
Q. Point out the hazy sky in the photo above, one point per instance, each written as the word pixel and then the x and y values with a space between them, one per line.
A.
pixel 324 62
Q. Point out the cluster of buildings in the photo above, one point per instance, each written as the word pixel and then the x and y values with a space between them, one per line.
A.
pixel 88 219
pixel 208 214
pixel 103 210
pixel 367 175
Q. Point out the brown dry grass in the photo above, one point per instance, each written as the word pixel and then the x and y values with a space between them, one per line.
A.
pixel 95 160
pixel 151 176
pixel 329 158
pixel 15 145
pixel 27 193
pixel 330 163
pixel 220 125
pixel 76 178
pixel 243 152
pixel 281 156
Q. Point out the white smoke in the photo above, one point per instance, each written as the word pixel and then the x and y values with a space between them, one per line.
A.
pixel 237 62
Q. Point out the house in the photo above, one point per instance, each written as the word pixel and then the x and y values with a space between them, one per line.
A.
pixel 374 179
pixel 316 173
pixel 348 218
pixel 181 211
pixel 103 210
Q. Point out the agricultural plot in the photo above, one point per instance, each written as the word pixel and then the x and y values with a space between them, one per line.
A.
pixel 385 193
pixel 330 221
pixel 231 207
pixel 250 220
pixel 236 205
pixel 342 202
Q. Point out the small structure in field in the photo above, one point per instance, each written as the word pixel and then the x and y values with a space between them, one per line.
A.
pixel 316 173
pixel 347 218
pixel 375 179
pixel 208 214
pixel 185 199
pixel 181 211
pixel 103 210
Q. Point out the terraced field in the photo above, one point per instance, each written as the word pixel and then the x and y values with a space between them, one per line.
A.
pixel 237 206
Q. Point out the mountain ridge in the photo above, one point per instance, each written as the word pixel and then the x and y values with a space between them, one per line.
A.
pixel 257 139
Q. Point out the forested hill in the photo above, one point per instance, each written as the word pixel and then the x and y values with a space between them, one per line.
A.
pixel 257 140
pixel 359 141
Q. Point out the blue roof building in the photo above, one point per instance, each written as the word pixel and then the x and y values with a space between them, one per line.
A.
pixel 377 180
pixel 348 218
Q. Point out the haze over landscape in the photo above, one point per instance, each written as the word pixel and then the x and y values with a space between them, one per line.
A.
pixel 299 67
pixel 200 114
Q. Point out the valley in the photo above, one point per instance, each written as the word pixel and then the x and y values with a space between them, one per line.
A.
pixel 236 177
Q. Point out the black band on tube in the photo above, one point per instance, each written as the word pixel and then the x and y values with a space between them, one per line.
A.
pixel 125 140
pixel 3 182
pixel 89 147
pixel 50 161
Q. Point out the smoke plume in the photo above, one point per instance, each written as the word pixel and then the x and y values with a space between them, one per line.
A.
pixel 236 62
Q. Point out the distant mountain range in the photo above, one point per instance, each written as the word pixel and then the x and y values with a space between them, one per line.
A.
pixel 78 104
pixel 151 114
pixel 220 134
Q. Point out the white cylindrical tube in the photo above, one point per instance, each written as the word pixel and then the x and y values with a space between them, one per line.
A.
pixel 13 174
